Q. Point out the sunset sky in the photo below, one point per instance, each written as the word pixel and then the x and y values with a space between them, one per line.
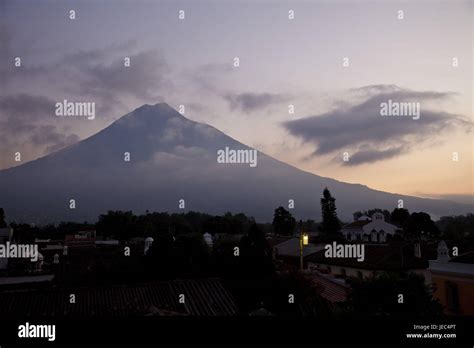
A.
pixel 282 62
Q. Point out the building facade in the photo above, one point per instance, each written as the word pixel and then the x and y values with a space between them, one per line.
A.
pixel 370 230
pixel 453 281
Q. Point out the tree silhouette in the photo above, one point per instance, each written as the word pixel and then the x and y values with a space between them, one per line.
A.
pixel 255 254
pixel 418 224
pixel 399 216
pixel 283 222
pixel 379 296
pixel 330 225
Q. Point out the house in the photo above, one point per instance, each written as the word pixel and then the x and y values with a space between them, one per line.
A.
pixel 371 230
pixel 378 258
pixel 453 281
pixel 287 249
pixel 81 239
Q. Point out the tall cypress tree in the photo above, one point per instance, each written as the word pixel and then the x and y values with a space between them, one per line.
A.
pixel 330 224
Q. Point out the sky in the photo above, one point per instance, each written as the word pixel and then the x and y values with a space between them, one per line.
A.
pixel 282 62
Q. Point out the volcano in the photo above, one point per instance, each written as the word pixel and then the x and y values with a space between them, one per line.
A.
pixel 156 159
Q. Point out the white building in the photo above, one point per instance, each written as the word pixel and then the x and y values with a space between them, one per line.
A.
pixel 208 239
pixel 148 245
pixel 372 230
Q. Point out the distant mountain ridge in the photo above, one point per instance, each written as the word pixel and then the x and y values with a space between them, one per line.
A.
pixel 174 158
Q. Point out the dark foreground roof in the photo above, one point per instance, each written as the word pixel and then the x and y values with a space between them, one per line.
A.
pixel 464 258
pixel 380 257
pixel 203 297
pixel 330 289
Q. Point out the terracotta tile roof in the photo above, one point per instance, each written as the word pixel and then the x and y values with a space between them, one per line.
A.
pixel 203 297
pixel 330 289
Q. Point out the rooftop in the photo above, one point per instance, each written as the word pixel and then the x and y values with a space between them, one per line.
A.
pixel 203 297
pixel 291 247
pixel 356 224
pixel 464 258
pixel 380 257
pixel 331 289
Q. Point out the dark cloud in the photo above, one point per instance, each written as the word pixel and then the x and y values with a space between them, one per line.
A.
pixel 248 102
pixel 99 76
pixel 399 92
pixel 27 125
pixel 360 130
pixel 23 108
pixel 110 82
pixel 370 156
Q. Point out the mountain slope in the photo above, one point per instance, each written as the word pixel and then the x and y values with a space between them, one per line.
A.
pixel 173 158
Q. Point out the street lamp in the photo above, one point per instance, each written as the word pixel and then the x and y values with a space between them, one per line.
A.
pixel 304 240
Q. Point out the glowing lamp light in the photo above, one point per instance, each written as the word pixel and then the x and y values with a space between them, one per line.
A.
pixel 305 239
